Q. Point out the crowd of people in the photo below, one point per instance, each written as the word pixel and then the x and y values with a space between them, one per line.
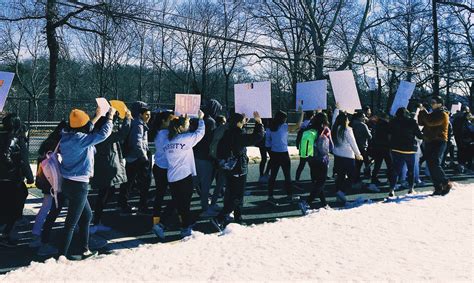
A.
pixel 107 152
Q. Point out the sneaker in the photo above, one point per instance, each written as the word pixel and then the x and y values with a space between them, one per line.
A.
pixel 373 188
pixel 341 196
pixel 391 193
pixel 36 242
pixel 411 191
pixel 304 207
pixel 208 213
pixel 293 198
pixel 47 250
pixel 420 184
pixel 218 225
pixel 86 255
pixel 438 191
pixel 446 188
pixel 159 230
pixel 186 232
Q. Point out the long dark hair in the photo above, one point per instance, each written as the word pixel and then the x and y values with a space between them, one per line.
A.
pixel 157 123
pixel 339 127
pixel 401 113
pixel 319 122
pixel 53 138
pixel 278 120
pixel 174 126
pixel 234 119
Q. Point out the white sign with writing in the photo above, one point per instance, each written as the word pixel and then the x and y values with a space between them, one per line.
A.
pixel 402 97
pixel 345 90
pixel 6 80
pixel 253 97
pixel 187 104
pixel 312 95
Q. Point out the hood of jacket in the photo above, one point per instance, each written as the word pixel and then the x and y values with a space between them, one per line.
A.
pixel 212 108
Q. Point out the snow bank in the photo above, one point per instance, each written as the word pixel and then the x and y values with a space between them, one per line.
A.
pixel 419 238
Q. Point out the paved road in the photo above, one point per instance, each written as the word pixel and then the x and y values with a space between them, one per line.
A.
pixel 131 231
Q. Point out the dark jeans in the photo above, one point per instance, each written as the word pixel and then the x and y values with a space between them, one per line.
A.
pixel 138 173
pixel 280 159
pixel 78 212
pixel 161 183
pixel 300 168
pixel 51 218
pixel 318 170
pixel 434 152
pixel 399 160
pixel 181 194
pixel 379 155
pixel 233 197
pixel 105 194
pixel 344 167
pixel 12 202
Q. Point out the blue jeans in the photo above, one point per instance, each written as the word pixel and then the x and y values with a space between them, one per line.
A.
pixel 400 160
pixel 205 174
pixel 434 152
pixel 78 212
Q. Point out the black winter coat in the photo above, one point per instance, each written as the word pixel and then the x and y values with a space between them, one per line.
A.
pixel 238 141
pixel 402 134
pixel 109 166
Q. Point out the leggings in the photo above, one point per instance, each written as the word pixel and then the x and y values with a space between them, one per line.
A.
pixel 181 194
pixel 280 159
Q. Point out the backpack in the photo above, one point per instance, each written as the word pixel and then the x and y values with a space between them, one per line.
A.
pixel 322 147
pixel 50 168
pixel 10 159
pixel 216 138
pixel 307 143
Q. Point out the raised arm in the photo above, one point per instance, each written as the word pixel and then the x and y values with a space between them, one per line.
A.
pixel 200 131
pixel 297 126
pixel 256 135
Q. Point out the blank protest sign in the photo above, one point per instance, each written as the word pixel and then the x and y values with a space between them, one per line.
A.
pixel 313 95
pixel 345 91
pixel 187 104
pixel 402 97
pixel 6 80
pixel 456 107
pixel 253 97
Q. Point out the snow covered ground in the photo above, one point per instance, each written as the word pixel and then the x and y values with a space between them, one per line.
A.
pixel 420 238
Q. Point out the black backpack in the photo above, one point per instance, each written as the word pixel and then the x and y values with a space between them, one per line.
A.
pixel 9 157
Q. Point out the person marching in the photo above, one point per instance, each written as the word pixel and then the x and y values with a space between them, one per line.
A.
pixel 280 158
pixel 77 147
pixel 236 141
pixel 403 133
pixel 319 161
pixel 178 150
pixel 160 170
pixel 109 170
pixel 435 135
pixel 345 153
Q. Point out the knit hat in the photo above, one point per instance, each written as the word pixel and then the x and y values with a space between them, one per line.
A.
pixel 78 119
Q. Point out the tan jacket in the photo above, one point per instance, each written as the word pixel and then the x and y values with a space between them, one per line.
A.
pixel 435 125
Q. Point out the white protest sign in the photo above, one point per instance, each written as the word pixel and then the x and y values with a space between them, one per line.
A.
pixel 6 80
pixel 402 97
pixel 312 95
pixel 253 97
pixel 187 104
pixel 103 105
pixel 456 107
pixel 345 91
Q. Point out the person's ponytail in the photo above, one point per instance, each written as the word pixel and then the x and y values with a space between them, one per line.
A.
pixel 173 128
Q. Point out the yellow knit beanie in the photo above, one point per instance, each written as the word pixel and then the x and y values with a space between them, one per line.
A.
pixel 78 118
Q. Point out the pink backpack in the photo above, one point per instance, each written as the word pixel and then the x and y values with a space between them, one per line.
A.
pixel 50 166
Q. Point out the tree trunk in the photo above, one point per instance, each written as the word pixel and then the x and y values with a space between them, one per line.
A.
pixel 53 47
